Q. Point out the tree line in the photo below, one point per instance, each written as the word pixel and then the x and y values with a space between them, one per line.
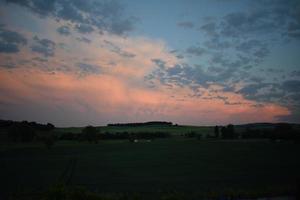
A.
pixel 280 131
pixel 152 123
pixel 93 135
pixel 24 132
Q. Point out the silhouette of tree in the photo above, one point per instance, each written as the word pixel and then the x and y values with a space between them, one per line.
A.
pixel 50 126
pixel 21 132
pixel 216 131
pixel 90 134
pixel 228 132
pixel 49 141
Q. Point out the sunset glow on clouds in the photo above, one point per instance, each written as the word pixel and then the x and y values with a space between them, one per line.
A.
pixel 108 98
pixel 92 66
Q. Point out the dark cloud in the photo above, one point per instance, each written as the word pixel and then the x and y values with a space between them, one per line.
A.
pixel 222 72
pixel 217 43
pixel 249 45
pixel 64 30
pixel 241 40
pixel 291 86
pixel 177 54
pixel 261 53
pixel 105 15
pixel 250 91
pixel 8 64
pixel 197 51
pixel 176 70
pixel 186 24
pixel 209 28
pixel 69 12
pixel 286 93
pixel 160 63
pixel 294 117
pixel 221 60
pixel 267 18
pixel 295 73
pixel 295 35
pixel 86 68
pixel 84 28
pixel 121 26
pixel 45 47
pixel 180 56
pixel 10 41
pixel 241 24
pixel 40 59
pixel 84 39
pixel 114 48
pixel 181 75
pixel 8 48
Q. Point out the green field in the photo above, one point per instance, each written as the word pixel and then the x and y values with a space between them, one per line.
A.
pixel 190 166
pixel 174 130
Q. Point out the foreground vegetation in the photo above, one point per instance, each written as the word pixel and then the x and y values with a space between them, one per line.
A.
pixel 154 160
pixel 185 166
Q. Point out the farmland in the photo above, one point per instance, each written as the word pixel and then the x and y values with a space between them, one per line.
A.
pixel 174 130
pixel 187 165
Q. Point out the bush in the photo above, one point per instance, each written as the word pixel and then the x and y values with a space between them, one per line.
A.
pixel 49 141
pixel 199 136
pixel 190 134
pixel 89 133
pixel 68 136
pixel 228 132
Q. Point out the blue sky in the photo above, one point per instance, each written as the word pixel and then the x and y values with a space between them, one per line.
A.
pixel 191 62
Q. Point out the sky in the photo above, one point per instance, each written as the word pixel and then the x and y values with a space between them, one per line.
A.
pixel 193 62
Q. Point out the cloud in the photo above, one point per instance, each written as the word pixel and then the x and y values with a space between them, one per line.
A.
pixel 250 91
pixel 291 118
pixel 217 43
pixel 209 28
pixel 40 59
pixel 63 30
pixel 11 41
pixel 85 68
pixel 291 86
pixel 114 48
pixel 8 64
pixel 8 48
pixel 120 27
pixel 286 93
pixel 242 39
pixel 249 45
pixel 182 75
pixel 180 56
pixel 295 73
pixel 294 30
pixel 159 62
pixel 104 15
pixel 267 18
pixel 197 51
pixel 84 28
pixel 45 47
pixel 67 100
pixel 84 39
pixel 186 24
pixel 240 24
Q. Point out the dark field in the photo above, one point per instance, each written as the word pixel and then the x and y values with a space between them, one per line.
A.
pixel 189 166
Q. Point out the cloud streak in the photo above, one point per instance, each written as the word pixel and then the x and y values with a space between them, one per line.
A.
pixel 104 15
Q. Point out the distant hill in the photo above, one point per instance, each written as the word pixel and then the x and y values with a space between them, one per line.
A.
pixel 151 123
pixel 265 125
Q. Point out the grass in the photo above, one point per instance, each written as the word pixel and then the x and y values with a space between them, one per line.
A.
pixel 164 165
pixel 174 130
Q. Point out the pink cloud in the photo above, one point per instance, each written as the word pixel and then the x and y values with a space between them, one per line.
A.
pixel 111 98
